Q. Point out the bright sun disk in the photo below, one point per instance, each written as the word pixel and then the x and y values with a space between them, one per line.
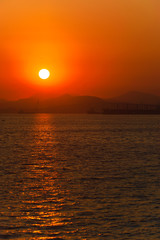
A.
pixel 44 74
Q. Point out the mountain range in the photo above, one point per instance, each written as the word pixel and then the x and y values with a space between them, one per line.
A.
pixel 76 104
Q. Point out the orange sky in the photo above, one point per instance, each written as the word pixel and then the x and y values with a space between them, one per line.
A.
pixel 101 48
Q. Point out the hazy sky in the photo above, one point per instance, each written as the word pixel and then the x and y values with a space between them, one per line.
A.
pixel 94 47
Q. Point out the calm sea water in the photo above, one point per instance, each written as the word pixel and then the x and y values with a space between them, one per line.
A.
pixel 79 177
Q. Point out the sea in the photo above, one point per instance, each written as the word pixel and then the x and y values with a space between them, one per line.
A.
pixel 79 177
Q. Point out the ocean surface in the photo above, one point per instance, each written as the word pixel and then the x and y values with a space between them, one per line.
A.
pixel 79 177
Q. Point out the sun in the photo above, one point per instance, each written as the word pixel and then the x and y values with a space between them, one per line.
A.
pixel 44 74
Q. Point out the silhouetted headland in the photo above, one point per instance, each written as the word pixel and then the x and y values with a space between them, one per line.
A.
pixel 129 103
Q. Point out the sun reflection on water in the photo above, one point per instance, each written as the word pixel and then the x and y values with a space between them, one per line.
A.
pixel 41 194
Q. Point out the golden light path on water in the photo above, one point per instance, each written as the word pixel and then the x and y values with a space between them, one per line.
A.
pixel 42 191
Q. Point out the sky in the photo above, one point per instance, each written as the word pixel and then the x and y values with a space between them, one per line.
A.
pixel 93 47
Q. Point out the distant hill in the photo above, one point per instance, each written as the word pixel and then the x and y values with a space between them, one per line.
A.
pixel 63 104
pixel 73 104
pixel 79 104
pixel 136 98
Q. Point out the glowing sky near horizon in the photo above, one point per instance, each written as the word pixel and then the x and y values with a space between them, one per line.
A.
pixel 101 48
